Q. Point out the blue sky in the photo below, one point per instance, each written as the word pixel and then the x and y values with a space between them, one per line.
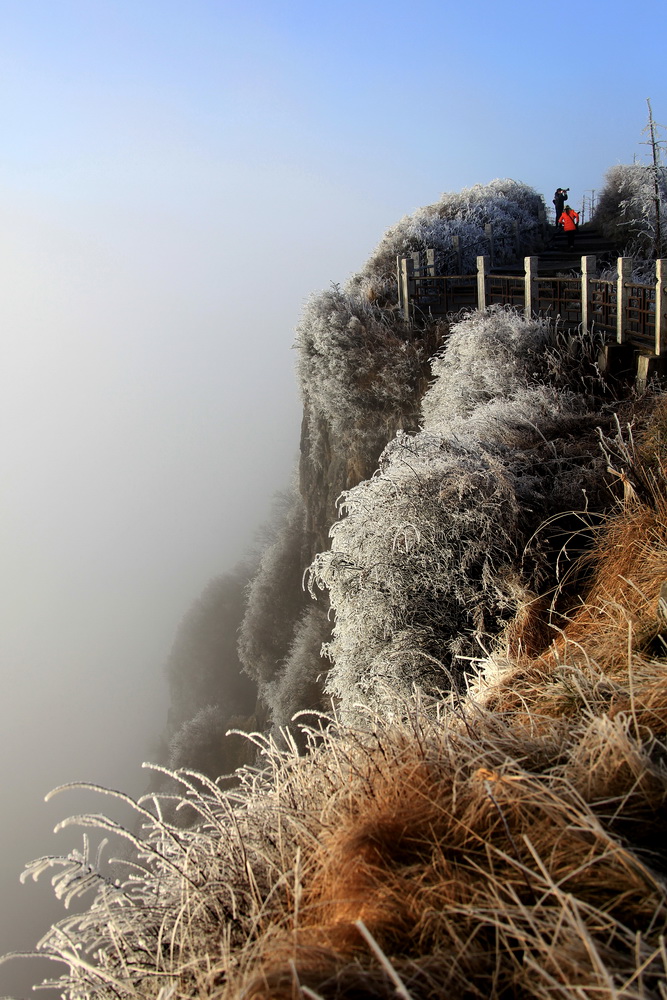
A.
pixel 392 101
pixel 176 179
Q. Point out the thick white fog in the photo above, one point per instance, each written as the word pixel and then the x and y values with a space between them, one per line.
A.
pixel 148 413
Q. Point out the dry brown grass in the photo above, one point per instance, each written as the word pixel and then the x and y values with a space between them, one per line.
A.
pixel 484 861
pixel 615 638
pixel 451 852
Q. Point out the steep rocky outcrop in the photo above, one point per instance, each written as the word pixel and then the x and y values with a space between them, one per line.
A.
pixel 363 372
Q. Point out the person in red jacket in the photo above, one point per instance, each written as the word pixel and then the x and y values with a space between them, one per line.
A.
pixel 569 220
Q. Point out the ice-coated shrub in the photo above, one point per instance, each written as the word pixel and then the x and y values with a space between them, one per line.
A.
pixel 409 566
pixel 490 357
pixel 203 744
pixel 626 210
pixel 428 559
pixel 281 635
pixel 356 359
pixel 207 685
pixel 464 214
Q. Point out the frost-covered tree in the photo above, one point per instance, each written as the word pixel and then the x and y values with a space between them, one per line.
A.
pixel 354 359
pixel 274 598
pixel 428 559
pixel 299 685
pixel 203 667
pixel 281 635
pixel 626 208
pixel 205 744
pixel 209 692
pixel 502 203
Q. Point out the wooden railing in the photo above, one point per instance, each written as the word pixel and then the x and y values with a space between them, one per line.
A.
pixel 628 312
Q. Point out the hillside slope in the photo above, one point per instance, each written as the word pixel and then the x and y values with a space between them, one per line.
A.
pixel 472 802
pixel 501 842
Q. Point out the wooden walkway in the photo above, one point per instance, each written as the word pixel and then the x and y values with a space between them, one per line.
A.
pixel 556 259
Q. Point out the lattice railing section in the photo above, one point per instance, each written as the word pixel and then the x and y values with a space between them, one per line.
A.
pixel 627 311
pixel 603 304
pixel 559 297
pixel 505 290
pixel 640 311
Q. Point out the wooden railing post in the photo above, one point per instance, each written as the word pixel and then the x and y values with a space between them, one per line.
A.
pixel 661 306
pixel 456 247
pixel 588 266
pixel 482 280
pixel 622 296
pixel 541 218
pixel 405 284
pixel 530 286
pixel 488 230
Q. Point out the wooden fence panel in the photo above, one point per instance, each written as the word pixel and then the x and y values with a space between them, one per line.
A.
pixel 559 297
pixel 624 310
pixel 506 290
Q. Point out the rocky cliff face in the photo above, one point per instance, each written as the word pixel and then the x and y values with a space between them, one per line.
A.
pixel 362 372
pixel 359 387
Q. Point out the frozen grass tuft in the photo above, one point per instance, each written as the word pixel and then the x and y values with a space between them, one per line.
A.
pixel 626 207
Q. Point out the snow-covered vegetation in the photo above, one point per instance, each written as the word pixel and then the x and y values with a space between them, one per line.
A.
pixel 209 690
pixel 465 214
pixel 274 595
pixel 626 207
pixel 432 554
pixel 204 667
pixel 474 803
pixel 357 358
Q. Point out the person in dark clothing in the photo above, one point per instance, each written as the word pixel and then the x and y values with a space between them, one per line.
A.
pixel 569 221
pixel 559 201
